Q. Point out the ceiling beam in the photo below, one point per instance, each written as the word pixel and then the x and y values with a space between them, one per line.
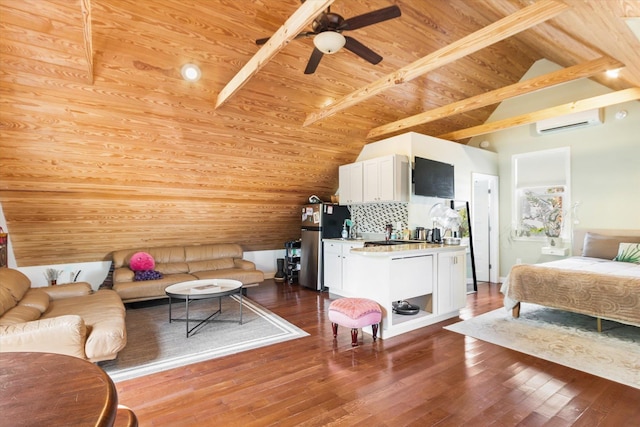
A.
pixel 575 72
pixel 301 18
pixel 521 20
pixel 601 101
pixel 85 5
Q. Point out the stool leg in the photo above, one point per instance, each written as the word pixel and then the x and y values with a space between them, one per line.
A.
pixel 334 326
pixel 374 327
pixel 354 337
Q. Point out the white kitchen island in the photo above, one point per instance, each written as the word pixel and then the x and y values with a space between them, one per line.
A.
pixel 431 276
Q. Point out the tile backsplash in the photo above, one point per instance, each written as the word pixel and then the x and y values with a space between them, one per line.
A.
pixel 372 217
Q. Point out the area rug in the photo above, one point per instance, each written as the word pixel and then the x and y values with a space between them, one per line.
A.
pixel 565 338
pixel 155 345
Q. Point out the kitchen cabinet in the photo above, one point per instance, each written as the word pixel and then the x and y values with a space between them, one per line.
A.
pixel 386 179
pixel 350 178
pixel 430 276
pixel 383 179
pixel 336 263
pixel 413 275
pixel 452 286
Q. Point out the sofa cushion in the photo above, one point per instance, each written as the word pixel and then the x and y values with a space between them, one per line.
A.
pixel 16 282
pixel 123 274
pixel 160 255
pixel 19 314
pixel 167 255
pixel 7 301
pixel 212 251
pixel 37 299
pixel 245 276
pixel 210 264
pixel 103 315
pixel 68 290
pixel 244 264
pixel 172 268
pixel 148 289
pixel 61 335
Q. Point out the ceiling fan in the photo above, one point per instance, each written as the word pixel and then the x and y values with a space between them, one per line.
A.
pixel 328 38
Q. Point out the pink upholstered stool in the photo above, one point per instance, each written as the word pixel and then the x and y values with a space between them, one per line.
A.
pixel 354 313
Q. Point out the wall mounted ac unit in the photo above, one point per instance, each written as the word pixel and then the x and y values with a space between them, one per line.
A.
pixel 570 121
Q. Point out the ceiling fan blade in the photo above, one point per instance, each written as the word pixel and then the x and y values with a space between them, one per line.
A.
pixel 314 60
pixel 304 35
pixel 361 50
pixel 371 18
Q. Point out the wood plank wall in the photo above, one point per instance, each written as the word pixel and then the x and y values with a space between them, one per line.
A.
pixel 134 156
pixel 140 158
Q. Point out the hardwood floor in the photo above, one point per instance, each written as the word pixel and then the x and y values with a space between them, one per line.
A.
pixel 423 378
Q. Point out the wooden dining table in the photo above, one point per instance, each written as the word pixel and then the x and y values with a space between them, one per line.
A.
pixel 45 389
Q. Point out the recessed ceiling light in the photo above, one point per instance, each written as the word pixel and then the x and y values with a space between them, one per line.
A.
pixel 191 72
pixel 621 114
pixel 613 73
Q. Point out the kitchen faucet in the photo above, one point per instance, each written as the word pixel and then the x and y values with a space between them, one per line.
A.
pixel 352 230
pixel 388 231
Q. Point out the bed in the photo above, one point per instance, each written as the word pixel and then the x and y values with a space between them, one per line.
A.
pixel 590 283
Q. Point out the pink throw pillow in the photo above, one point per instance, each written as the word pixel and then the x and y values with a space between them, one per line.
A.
pixel 142 261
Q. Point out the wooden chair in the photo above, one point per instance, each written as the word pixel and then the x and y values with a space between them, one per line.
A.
pixel 125 417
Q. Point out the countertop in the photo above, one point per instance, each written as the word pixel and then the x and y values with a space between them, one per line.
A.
pixel 408 248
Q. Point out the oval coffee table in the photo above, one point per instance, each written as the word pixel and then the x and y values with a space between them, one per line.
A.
pixel 203 289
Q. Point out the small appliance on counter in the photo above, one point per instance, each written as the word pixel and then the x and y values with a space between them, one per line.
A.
pixel 429 235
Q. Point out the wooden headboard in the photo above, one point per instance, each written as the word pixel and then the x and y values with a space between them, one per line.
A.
pixel 578 236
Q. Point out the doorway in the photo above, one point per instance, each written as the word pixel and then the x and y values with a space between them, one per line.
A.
pixel 484 219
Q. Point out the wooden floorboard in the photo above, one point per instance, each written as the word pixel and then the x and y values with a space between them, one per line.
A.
pixel 426 377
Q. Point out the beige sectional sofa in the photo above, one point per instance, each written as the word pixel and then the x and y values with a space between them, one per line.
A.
pixel 181 264
pixel 66 319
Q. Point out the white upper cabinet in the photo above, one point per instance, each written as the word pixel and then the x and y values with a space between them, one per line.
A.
pixel 386 179
pixel 383 179
pixel 350 178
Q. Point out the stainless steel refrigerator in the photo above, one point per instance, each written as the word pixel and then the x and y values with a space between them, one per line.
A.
pixel 319 221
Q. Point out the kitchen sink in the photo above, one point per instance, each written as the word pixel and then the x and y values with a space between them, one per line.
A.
pixel 388 243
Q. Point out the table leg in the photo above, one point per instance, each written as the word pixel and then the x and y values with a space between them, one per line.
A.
pixel 200 321
pixel 241 305
pixel 187 309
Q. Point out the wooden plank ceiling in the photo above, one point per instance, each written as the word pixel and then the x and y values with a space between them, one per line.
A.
pixel 103 146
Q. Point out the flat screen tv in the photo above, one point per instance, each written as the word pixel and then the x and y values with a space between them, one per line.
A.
pixel 433 179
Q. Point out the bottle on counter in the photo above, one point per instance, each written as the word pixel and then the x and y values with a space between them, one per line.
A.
pixel 388 231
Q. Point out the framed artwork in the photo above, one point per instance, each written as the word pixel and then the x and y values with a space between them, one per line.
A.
pixel 540 212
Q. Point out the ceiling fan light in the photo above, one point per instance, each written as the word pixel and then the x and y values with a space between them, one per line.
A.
pixel 329 42
pixel 191 72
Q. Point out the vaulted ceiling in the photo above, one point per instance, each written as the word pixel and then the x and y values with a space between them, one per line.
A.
pixel 104 146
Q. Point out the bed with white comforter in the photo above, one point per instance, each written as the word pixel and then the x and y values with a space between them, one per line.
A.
pixel 595 286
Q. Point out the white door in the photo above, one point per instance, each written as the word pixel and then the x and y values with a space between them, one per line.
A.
pixel 484 217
